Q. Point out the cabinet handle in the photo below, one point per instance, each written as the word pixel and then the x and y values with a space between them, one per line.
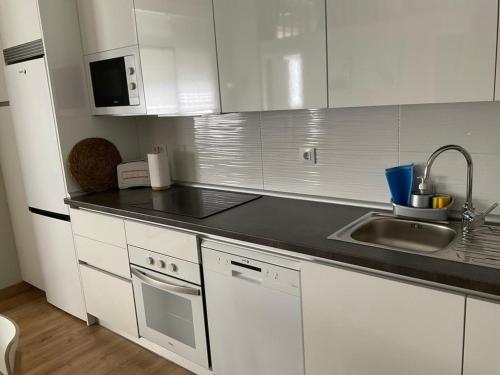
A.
pixel 22 71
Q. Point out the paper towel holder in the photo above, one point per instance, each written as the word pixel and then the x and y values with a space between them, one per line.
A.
pixel 159 169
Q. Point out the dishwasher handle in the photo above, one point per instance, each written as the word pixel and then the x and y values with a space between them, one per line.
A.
pixel 246 277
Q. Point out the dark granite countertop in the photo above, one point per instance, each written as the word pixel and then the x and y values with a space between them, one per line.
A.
pixel 302 227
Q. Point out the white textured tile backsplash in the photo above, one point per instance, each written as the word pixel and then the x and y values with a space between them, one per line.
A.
pixel 475 126
pixel 354 146
pixel 216 149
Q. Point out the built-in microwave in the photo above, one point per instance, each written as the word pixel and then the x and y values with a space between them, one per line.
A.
pixel 115 82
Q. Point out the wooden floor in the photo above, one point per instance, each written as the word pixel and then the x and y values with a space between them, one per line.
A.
pixel 53 342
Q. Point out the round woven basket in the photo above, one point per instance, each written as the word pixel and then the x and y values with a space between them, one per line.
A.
pixel 92 163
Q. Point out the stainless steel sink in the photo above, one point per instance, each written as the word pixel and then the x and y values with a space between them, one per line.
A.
pixel 401 234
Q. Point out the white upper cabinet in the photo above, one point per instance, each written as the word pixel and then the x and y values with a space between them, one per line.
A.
pixel 355 323
pixel 19 22
pixel 106 24
pixel 482 338
pixel 383 52
pixel 178 57
pixel 272 54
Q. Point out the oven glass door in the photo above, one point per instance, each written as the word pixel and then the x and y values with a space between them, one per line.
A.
pixel 109 82
pixel 170 313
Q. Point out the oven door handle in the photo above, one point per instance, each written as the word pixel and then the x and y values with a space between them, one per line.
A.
pixel 160 284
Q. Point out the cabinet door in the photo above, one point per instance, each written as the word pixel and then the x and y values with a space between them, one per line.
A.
pixel 356 323
pixel 19 22
pixel 384 52
pixel 106 25
pixel 103 228
pixel 110 299
pixel 27 252
pixel 272 54
pixel 106 257
pixel 54 242
pixel 163 240
pixel 482 338
pixel 178 58
pixel 36 134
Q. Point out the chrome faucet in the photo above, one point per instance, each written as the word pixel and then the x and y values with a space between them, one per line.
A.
pixel 470 219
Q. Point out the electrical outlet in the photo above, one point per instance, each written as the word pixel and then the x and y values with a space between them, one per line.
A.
pixel 158 149
pixel 307 155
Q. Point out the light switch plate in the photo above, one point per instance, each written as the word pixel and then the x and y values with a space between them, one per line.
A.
pixel 308 155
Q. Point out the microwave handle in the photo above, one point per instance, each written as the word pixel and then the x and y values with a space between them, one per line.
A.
pixel 154 282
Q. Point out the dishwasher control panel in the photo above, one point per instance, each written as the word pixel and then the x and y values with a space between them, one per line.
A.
pixel 253 271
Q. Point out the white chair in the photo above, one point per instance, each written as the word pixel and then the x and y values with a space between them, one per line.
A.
pixel 9 338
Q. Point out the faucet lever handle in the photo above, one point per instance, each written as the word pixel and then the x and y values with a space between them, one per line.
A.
pixel 472 220
pixel 490 209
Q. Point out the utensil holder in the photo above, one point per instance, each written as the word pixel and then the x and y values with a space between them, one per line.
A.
pixel 428 214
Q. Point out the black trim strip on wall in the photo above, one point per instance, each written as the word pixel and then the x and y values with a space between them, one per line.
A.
pixel 53 215
pixel 4 104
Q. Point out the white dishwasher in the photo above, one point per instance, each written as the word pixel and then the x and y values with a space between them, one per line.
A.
pixel 254 311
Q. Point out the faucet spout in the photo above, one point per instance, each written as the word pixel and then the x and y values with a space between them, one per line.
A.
pixel 468 199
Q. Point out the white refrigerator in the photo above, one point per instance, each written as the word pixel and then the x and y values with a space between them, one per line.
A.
pixel 42 169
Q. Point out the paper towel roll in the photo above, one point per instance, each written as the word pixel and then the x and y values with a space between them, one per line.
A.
pixel 159 171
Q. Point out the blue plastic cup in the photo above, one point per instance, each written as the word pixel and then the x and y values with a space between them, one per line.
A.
pixel 400 180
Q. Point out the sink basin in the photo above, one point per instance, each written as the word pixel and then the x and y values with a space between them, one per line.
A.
pixel 398 234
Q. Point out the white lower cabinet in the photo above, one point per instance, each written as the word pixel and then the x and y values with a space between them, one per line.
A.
pixel 482 338
pixel 109 258
pixel 103 228
pixel 104 269
pixel 355 324
pixel 109 298
pixel 59 266
pixel 163 240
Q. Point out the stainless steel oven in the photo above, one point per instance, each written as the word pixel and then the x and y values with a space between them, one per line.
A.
pixel 115 82
pixel 169 302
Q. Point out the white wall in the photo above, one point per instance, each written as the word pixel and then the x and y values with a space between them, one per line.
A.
pixel 9 267
pixel 354 146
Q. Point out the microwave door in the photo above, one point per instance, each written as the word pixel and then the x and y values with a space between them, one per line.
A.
pixel 109 83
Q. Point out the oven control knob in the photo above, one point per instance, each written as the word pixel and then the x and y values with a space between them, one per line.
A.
pixel 172 267
pixel 150 261
pixel 131 71
pixel 162 264
pixel 132 86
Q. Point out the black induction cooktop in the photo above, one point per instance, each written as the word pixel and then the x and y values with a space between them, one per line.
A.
pixel 194 202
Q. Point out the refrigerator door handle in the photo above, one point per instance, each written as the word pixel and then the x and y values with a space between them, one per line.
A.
pixel 52 215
